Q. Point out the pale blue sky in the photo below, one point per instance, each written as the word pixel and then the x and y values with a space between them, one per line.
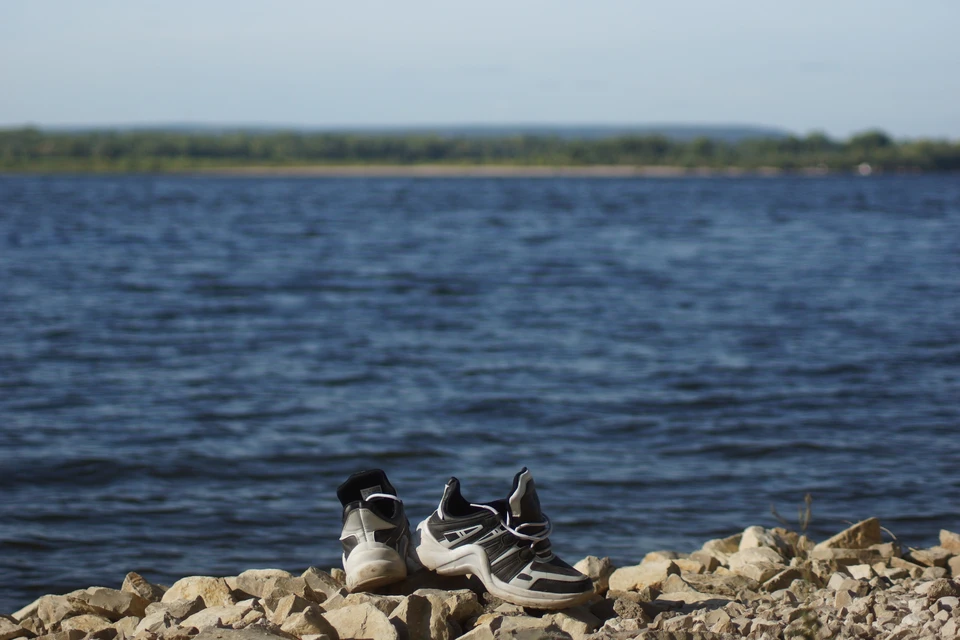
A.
pixel 839 66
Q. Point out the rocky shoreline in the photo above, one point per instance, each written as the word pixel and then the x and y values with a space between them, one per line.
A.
pixel 762 583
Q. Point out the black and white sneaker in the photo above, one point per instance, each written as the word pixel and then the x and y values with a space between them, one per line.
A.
pixel 375 534
pixel 504 543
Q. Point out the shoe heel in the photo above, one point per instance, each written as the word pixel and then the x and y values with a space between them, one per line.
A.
pixel 372 565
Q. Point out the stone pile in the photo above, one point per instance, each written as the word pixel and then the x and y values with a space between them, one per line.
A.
pixel 762 584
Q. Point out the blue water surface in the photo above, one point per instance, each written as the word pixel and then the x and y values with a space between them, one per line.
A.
pixel 190 365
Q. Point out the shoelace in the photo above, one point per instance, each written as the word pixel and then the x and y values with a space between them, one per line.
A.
pixel 383 495
pixel 539 536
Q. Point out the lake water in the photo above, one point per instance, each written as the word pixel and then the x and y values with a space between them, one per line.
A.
pixel 189 366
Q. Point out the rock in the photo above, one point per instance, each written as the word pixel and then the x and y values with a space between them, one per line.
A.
pixel 27 611
pixel 52 609
pixel 276 589
pixel 860 571
pixel 310 621
pixel 709 562
pixel 529 628
pixel 782 580
pixel 836 580
pixel 251 617
pixel 914 570
pixel 250 633
pixel 578 622
pixel 843 598
pixel 598 570
pixel 479 633
pixel 954 565
pixel 950 541
pixel 932 557
pixel 461 604
pixel 722 548
pixel 419 618
pixel 688 601
pixel 886 550
pixel 64 635
pixel 385 604
pixel 753 537
pixel 214 591
pixel 287 606
pixel 623 608
pixel 846 557
pixel 653 556
pixel 932 573
pixel 950 629
pixel 858 536
pixel 675 583
pixel 226 616
pixel 155 623
pixel 936 589
pixel 361 622
pixel 757 563
pixel 253 581
pixel 9 629
pixel 177 610
pixel 114 604
pixel 321 581
pixel 33 625
pixel 726 585
pixel 126 627
pixel 647 574
pixel 87 623
pixel 136 584
pixel 690 566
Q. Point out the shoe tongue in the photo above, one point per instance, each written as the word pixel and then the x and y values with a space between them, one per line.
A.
pixel 523 502
pixel 361 485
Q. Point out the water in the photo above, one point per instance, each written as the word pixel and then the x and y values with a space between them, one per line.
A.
pixel 189 366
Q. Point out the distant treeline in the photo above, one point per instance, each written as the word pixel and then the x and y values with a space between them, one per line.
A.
pixel 36 150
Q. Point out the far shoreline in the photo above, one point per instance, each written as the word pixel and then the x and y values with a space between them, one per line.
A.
pixel 499 171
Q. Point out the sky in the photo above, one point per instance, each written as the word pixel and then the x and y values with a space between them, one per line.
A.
pixel 838 66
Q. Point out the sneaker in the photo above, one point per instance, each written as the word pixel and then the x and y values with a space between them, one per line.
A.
pixel 504 543
pixel 375 534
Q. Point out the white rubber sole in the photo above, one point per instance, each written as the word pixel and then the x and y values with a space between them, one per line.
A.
pixel 472 559
pixel 373 564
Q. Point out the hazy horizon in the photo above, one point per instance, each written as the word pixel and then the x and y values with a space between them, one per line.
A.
pixel 826 67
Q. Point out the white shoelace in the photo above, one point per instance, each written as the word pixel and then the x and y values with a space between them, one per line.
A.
pixel 383 495
pixel 533 537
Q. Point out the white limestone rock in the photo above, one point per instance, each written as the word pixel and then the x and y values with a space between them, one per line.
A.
pixel 155 623
pixel 310 621
pixel 287 606
pixel 225 616
pixel 598 570
pixel 418 617
pixel 757 563
pixel 135 583
pixel 126 627
pixel 858 536
pixel 9 629
pixel 361 622
pixel 253 581
pixel 86 623
pixel 321 581
pixel 214 591
pixel 646 574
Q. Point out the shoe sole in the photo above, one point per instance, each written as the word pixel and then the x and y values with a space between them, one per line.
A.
pixel 371 565
pixel 472 559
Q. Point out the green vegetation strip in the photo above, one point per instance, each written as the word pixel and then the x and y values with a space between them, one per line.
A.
pixel 33 150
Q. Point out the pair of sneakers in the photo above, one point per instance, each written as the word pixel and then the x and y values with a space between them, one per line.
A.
pixel 504 543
